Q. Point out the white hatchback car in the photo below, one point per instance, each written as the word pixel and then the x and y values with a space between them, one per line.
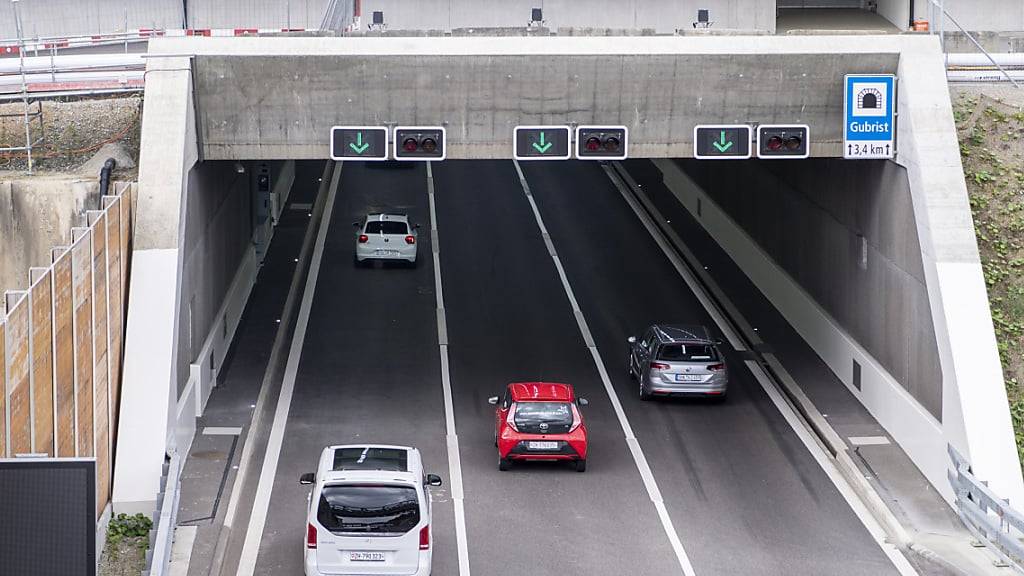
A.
pixel 386 237
pixel 369 512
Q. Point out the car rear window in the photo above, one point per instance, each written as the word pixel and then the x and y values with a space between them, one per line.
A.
pixel 530 413
pixel 368 509
pixel 688 353
pixel 386 227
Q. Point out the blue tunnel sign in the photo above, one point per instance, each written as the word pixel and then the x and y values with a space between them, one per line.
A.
pixel 869 106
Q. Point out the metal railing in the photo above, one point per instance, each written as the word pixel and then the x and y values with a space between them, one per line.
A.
pixel 990 518
pixel 943 14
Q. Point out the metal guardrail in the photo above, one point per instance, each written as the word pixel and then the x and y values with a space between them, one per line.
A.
pixel 167 520
pixel 990 518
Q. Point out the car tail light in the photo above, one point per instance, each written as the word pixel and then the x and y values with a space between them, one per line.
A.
pixel 363 238
pixel 659 366
pixel 577 419
pixel 410 239
pixel 425 537
pixel 310 536
pixel 716 367
pixel 510 419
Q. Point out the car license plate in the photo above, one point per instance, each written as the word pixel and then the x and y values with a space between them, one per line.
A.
pixel 366 556
pixel 542 445
pixel 387 252
pixel 688 377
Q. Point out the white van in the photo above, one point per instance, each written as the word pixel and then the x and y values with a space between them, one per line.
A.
pixel 368 512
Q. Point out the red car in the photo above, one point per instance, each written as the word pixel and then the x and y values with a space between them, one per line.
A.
pixel 539 421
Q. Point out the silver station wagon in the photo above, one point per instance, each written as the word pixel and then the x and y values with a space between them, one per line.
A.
pixel 678 360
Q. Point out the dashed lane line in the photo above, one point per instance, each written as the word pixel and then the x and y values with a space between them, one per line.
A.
pixel 634 446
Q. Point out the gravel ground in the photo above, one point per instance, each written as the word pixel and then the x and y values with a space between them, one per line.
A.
pixel 126 558
pixel 72 131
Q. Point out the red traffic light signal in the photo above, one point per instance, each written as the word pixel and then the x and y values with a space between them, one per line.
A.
pixel 601 143
pixel 778 141
pixel 419 143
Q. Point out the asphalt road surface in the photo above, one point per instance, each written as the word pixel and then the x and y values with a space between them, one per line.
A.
pixel 743 493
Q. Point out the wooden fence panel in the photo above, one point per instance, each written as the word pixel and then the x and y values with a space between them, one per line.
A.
pixel 101 375
pixel 81 269
pixel 42 362
pixel 114 292
pixel 19 391
pixel 64 342
pixel 3 389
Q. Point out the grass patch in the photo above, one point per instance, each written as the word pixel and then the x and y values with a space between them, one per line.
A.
pixel 992 152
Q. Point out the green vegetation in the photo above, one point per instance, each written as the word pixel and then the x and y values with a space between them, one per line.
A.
pixel 992 151
pixel 127 541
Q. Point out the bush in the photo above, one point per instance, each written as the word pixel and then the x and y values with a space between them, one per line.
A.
pixel 124 526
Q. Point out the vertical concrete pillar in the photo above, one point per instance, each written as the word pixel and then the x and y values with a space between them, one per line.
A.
pixel 149 392
pixel 975 412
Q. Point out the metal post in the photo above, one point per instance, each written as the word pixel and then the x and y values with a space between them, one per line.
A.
pixel 288 9
pixel 24 82
pixel 126 29
pixel 976 43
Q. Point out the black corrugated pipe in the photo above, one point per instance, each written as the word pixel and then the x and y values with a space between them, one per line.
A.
pixel 108 167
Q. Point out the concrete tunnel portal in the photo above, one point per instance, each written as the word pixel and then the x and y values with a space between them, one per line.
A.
pixel 814 236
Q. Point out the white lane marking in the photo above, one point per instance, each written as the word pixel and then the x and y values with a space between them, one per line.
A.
pixel 869 440
pixel 787 411
pixel 823 460
pixel 451 438
pixel 261 504
pixel 222 431
pixel 734 340
pixel 634 446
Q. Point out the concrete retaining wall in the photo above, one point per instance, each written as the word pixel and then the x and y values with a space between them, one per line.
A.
pixel 840 230
pixel 37 214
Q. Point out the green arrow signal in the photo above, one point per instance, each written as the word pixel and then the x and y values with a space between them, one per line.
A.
pixel 542 147
pixel 722 145
pixel 358 146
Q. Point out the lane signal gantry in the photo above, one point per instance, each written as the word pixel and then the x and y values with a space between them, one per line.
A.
pixel 602 142
pixel 721 141
pixel 419 143
pixel 778 141
pixel 368 143
pixel 541 143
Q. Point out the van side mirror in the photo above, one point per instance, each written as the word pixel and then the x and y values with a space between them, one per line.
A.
pixel 433 480
pixel 631 339
pixel 306 478
pixel 493 400
pixel 416 226
pixel 583 402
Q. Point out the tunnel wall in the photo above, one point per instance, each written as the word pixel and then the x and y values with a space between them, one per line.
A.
pixel 663 16
pixel 218 229
pixel 839 229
